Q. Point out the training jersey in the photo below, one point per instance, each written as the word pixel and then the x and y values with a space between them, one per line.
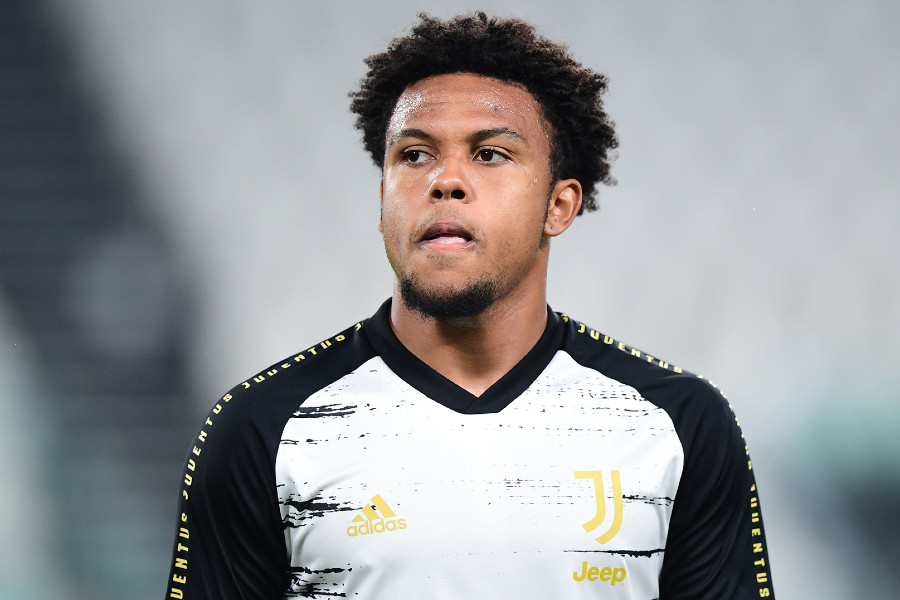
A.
pixel 354 470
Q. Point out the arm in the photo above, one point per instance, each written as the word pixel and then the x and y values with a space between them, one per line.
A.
pixel 716 546
pixel 229 541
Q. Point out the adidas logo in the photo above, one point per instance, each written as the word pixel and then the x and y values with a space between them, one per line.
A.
pixel 370 521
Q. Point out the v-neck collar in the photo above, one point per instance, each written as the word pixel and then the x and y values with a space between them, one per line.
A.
pixel 440 389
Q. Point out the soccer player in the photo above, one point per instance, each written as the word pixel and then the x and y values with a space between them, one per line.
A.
pixel 467 442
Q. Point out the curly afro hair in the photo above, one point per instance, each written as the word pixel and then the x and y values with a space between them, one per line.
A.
pixel 511 51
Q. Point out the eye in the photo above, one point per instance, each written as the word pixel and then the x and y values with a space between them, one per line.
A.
pixel 489 155
pixel 413 156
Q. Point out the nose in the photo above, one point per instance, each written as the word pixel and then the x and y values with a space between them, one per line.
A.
pixel 456 194
pixel 450 182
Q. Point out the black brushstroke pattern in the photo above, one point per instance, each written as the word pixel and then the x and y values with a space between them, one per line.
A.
pixel 632 553
pixel 308 571
pixel 314 590
pixel 303 588
pixel 654 500
pixel 326 410
pixel 310 509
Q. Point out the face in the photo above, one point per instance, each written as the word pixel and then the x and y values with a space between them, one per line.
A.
pixel 467 200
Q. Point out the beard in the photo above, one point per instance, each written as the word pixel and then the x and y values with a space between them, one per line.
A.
pixel 467 302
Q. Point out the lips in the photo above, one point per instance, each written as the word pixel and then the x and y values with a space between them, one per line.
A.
pixel 445 234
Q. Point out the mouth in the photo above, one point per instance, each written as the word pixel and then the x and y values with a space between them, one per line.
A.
pixel 446 235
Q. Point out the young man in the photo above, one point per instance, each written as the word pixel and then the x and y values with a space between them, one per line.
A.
pixel 466 441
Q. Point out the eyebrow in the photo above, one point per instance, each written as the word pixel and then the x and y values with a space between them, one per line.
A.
pixel 475 136
pixel 410 132
pixel 483 134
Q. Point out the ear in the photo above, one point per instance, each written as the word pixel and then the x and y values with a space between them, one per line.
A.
pixel 380 203
pixel 565 202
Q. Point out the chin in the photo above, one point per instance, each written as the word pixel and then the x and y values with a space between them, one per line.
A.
pixel 469 301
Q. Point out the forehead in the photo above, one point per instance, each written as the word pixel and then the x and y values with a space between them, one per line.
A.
pixel 465 99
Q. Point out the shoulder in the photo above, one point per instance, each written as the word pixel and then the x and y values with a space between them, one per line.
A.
pixel 229 508
pixel 254 412
pixel 308 369
pixel 692 401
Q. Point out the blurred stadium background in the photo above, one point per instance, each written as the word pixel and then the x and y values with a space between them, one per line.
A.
pixel 183 201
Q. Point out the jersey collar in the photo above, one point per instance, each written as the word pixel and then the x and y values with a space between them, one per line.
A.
pixel 440 389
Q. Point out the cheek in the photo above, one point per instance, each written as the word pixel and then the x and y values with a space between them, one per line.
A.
pixel 524 211
pixel 392 220
pixel 393 206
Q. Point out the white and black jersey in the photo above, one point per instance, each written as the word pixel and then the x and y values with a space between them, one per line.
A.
pixel 354 470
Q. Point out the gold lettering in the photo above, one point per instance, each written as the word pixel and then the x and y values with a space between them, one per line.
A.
pixel 184 517
pixel 635 352
pixel 259 378
pixel 678 369
pixel 754 517
pixel 764 592
pixel 187 479
pixel 182 579
pixel 608 340
pixel 184 533
pixel 760 563
pixel 622 347
pixel 227 397
pixel 664 364
pixel 196 451
pixel 581 328
pixel 595 334
pixel 208 421
pixel 202 436
pixel 299 357
pixel 184 494
pixel 285 365
pixel 325 344
pixel 181 563
pixel 358 326
pixel 246 385
pixel 176 593
pixel 217 409
pixel 339 338
pixel 756 532
pixel 757 547
pixel 649 358
pixel 592 573
pixel 182 548
pixel 272 372
pixel 754 502
pixel 762 577
pixel 584 569
pixel 192 464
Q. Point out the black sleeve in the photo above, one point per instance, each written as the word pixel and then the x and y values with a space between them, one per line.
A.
pixel 229 541
pixel 716 547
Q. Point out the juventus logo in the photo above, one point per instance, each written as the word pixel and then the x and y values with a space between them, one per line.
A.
pixel 600 496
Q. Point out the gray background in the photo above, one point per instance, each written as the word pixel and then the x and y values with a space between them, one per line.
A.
pixel 752 236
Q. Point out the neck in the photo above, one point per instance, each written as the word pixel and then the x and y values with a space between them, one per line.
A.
pixel 474 352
